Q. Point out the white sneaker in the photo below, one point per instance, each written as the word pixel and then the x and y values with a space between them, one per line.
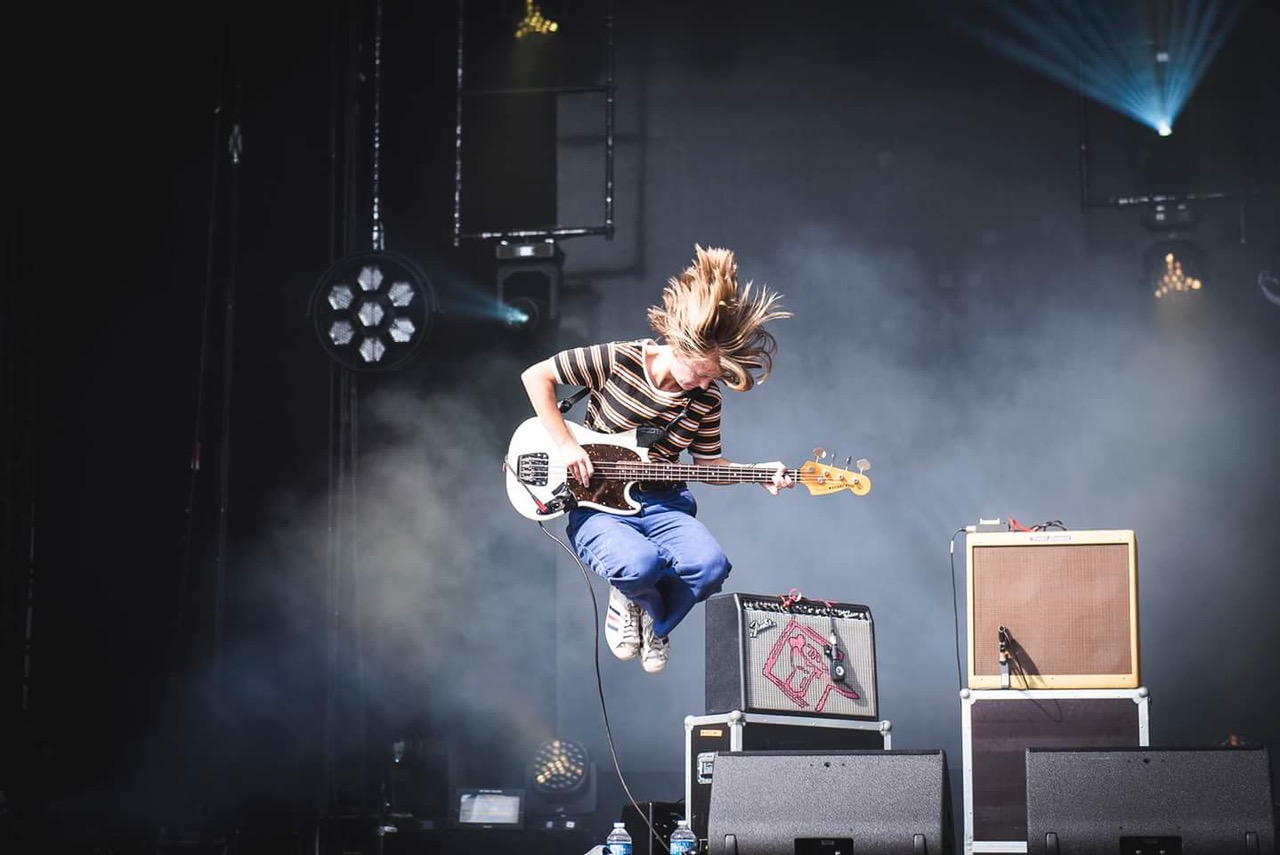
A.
pixel 654 651
pixel 622 625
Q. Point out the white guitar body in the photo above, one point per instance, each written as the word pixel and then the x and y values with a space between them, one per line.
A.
pixel 536 473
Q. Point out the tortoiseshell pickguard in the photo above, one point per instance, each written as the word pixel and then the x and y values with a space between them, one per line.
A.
pixel 610 494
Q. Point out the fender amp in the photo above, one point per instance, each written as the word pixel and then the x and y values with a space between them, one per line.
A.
pixel 775 654
pixel 1053 610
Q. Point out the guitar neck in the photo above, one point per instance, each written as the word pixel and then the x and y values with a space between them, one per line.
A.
pixel 725 474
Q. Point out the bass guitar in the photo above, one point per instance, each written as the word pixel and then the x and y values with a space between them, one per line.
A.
pixel 539 487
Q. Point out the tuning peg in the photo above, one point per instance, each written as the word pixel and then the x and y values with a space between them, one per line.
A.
pixel 819 453
pixel 863 465
pixel 846 462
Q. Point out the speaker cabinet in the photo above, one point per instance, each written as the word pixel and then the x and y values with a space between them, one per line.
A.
pixel 707 736
pixel 1065 603
pixel 836 803
pixel 772 655
pixel 997 728
pixel 1188 801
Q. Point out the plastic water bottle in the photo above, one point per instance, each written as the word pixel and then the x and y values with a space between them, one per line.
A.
pixel 683 840
pixel 619 841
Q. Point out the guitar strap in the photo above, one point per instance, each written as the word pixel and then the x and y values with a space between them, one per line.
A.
pixel 647 436
pixel 567 404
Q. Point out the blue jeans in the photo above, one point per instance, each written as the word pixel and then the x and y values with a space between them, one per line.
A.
pixel 662 558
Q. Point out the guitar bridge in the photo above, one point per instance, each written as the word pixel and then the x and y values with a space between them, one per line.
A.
pixel 532 469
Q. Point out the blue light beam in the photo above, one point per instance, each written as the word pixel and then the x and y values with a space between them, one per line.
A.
pixel 1142 58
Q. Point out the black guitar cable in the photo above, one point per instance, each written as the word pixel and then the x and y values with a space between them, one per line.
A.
pixel 955 610
pixel 604 709
pixel 506 467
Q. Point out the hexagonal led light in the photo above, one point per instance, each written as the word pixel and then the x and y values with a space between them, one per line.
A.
pixel 401 329
pixel 372 349
pixel 341 332
pixel 370 278
pixel 370 313
pixel 400 294
pixel 340 297
pixel 372 310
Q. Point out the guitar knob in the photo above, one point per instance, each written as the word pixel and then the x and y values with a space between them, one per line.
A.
pixel 846 462
pixel 819 453
pixel 863 465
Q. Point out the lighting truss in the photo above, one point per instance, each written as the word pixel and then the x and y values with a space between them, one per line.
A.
pixel 372 310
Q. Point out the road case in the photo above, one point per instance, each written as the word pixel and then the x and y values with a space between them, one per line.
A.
pixel 999 725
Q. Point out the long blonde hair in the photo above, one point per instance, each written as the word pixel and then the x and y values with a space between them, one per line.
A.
pixel 705 314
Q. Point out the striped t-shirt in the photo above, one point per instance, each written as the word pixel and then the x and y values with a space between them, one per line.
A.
pixel 623 397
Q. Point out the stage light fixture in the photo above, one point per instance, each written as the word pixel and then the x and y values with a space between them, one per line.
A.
pixel 1174 268
pixel 1175 279
pixel 372 310
pixel 561 782
pixel 1170 217
pixel 534 22
pixel 528 284
pixel 522 313
pixel 559 767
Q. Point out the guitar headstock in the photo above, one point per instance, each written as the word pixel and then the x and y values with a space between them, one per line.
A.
pixel 822 478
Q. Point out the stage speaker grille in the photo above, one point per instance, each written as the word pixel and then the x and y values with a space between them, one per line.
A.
pixel 767 654
pixel 1069 601
pixel 1192 801
pixel 841 801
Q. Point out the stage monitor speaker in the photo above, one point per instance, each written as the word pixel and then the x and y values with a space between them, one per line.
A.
pixel 835 803
pixel 1064 604
pixel 772 654
pixel 1187 801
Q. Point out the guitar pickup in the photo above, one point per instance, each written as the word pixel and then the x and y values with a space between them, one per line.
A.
pixel 532 468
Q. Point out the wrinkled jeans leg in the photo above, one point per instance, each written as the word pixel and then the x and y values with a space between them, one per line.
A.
pixel 697 563
pixel 615 547
pixel 662 558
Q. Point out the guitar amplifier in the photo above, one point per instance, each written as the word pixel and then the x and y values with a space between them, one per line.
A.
pixel 775 655
pixel 1064 603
